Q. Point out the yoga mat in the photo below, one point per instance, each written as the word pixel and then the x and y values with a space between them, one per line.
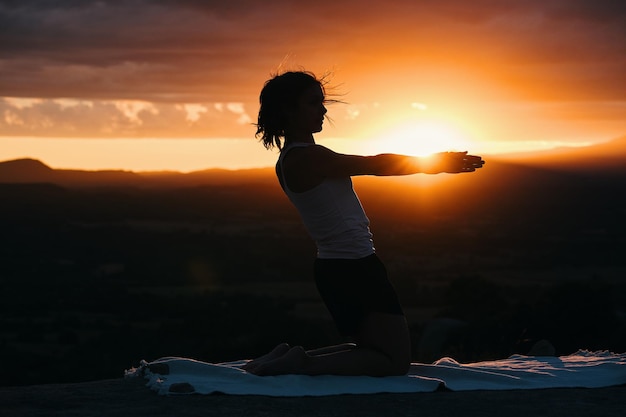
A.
pixel 583 369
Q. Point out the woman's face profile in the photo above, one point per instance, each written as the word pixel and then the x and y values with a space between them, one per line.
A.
pixel 308 115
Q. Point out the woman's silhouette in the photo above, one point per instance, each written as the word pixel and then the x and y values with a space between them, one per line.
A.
pixel 350 278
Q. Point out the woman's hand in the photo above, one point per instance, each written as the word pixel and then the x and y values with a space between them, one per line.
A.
pixel 451 162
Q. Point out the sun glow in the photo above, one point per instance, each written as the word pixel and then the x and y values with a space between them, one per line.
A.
pixel 420 138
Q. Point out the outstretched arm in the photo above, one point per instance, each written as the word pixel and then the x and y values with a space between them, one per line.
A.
pixel 327 163
pixel 448 162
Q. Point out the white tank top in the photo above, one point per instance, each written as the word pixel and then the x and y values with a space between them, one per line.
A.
pixel 332 214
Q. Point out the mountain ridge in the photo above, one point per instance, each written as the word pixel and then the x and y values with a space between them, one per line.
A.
pixel 29 170
pixel 607 156
pixel 610 150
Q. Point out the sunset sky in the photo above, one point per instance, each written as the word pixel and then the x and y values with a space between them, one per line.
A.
pixel 150 85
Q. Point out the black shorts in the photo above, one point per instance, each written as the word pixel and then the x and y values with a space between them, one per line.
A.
pixel 353 288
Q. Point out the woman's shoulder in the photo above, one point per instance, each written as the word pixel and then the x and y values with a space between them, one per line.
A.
pixel 305 151
pixel 301 167
pixel 315 151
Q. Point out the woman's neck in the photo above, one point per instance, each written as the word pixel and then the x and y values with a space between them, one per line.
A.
pixel 295 138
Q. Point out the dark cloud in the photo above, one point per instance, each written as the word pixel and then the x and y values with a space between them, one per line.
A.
pixel 206 51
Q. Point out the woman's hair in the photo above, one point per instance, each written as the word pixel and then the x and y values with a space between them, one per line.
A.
pixel 279 94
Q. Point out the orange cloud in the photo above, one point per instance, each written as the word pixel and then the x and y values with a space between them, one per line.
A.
pixel 151 68
pixel 122 118
pixel 196 51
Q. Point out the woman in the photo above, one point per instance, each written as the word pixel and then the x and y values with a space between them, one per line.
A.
pixel 350 278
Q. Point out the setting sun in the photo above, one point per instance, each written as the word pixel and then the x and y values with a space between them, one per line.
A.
pixel 420 138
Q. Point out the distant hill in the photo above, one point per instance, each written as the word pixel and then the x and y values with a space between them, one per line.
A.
pixel 34 171
pixel 609 157
pixel 26 170
pixel 214 176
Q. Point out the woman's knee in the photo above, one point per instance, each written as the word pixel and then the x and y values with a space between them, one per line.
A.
pixel 397 360
pixel 384 329
pixel 401 365
pixel 389 335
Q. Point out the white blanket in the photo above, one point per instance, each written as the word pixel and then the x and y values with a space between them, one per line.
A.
pixel 582 369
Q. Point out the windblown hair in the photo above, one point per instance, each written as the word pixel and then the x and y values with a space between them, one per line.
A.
pixel 279 94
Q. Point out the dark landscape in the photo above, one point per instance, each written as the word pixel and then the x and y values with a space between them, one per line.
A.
pixel 99 270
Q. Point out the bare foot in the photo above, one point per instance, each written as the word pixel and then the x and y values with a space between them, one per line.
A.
pixel 291 362
pixel 275 353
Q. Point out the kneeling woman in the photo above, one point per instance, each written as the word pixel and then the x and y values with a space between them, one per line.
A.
pixel 350 278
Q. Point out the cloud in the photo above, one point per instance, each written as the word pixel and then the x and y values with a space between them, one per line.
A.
pixel 194 111
pixel 122 118
pixel 132 109
pixel 174 55
pixel 22 103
